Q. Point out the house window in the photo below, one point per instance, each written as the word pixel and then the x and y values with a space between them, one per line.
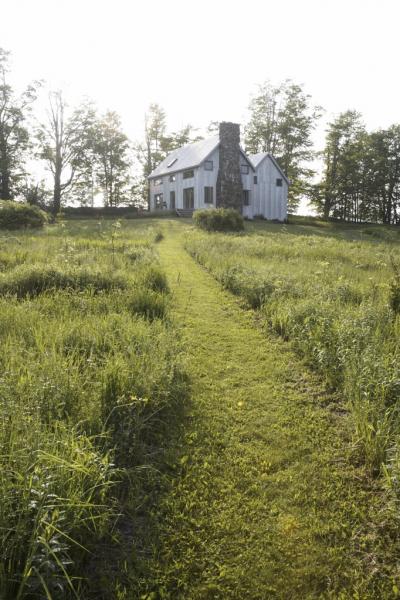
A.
pixel 279 182
pixel 209 165
pixel 172 178
pixel 255 179
pixel 208 195
pixel 246 198
pixel 158 201
pixel 244 169
pixel 172 200
pixel 158 182
pixel 188 174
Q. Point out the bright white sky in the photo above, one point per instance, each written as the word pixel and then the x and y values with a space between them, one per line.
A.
pixel 202 60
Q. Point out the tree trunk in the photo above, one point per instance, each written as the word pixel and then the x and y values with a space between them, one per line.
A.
pixel 57 194
pixel 5 186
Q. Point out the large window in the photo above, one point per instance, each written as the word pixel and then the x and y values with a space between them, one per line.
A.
pixel 188 197
pixel 208 195
pixel 255 179
pixel 209 165
pixel 172 200
pixel 158 201
pixel 246 198
pixel 279 182
pixel 188 174
pixel 244 169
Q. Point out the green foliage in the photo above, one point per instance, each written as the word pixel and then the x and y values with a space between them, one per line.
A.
pixel 15 215
pixel 154 279
pixel 91 380
pixel 361 179
pixel 110 159
pixel 14 134
pixel 30 281
pixel 159 236
pixel 263 498
pixel 282 120
pixel 332 298
pixel 219 219
pixel 149 304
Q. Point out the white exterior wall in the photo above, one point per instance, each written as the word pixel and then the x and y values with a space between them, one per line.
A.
pixel 207 179
pixel 266 198
pixel 269 199
pixel 201 179
pixel 248 184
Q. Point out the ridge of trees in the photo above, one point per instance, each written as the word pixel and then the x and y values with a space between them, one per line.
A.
pixel 88 155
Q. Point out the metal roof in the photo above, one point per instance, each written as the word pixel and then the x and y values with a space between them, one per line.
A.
pixel 192 155
pixel 257 159
pixel 186 157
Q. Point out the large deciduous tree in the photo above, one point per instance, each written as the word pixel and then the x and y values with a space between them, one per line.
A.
pixel 14 135
pixel 282 120
pixel 343 159
pixel 361 175
pixel 110 149
pixel 158 143
pixel 65 141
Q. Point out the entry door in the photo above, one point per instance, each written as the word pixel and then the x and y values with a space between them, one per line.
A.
pixel 172 200
pixel 188 198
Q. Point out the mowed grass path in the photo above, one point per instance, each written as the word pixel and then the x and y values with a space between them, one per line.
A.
pixel 266 502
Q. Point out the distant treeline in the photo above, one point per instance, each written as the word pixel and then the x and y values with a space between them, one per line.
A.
pixel 88 155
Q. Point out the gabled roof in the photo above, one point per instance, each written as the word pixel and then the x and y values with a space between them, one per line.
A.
pixel 189 156
pixel 257 159
pixel 186 157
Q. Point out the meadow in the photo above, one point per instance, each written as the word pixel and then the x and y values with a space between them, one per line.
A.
pixel 332 290
pixel 221 430
pixel 90 376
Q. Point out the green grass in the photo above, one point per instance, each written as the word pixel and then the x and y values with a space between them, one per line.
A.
pixel 115 485
pixel 333 297
pixel 267 497
pixel 90 379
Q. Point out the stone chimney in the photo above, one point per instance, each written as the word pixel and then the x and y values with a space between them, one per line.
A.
pixel 229 181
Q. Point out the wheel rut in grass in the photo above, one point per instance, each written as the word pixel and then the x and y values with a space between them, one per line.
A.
pixel 265 503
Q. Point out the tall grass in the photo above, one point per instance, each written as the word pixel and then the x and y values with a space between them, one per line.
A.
pixel 336 300
pixel 90 375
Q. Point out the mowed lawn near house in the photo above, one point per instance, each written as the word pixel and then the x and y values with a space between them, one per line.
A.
pixel 270 499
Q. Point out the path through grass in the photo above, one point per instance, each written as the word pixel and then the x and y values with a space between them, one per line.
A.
pixel 266 503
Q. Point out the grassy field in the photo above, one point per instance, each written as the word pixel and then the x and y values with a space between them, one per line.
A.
pixel 159 440
pixel 90 376
pixel 333 292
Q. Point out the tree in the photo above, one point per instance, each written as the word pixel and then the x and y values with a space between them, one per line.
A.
pixel 149 152
pixel 361 177
pixel 342 183
pixel 157 143
pixel 110 148
pixel 174 140
pixel 34 192
pixel 65 143
pixel 14 135
pixel 281 123
pixel 383 175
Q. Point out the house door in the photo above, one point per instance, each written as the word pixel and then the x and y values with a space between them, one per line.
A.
pixel 172 200
pixel 188 198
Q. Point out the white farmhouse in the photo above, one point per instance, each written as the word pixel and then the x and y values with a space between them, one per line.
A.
pixel 216 172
